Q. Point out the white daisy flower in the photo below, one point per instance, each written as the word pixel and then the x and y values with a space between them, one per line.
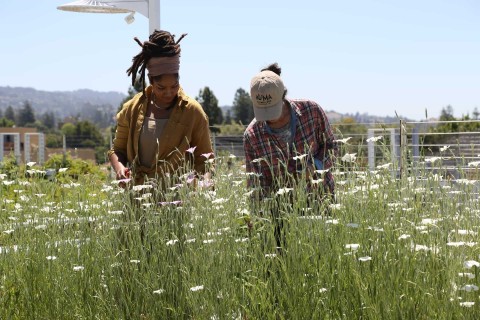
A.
pixel 344 140
pixel 374 139
pixel 470 264
pixel 197 288
pixel 284 191
pixel 467 304
pixel 469 287
pixel 349 157
pixel 364 259
pixel 352 246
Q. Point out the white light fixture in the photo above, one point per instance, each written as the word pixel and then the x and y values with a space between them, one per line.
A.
pixel 130 18
pixel 91 6
pixel 148 8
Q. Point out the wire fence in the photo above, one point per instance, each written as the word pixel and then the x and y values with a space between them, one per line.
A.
pixel 404 147
pixel 449 146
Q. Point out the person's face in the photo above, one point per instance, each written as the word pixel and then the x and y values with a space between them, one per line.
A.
pixel 165 88
pixel 283 117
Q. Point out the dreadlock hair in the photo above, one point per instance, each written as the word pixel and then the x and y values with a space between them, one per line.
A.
pixel 274 67
pixel 160 44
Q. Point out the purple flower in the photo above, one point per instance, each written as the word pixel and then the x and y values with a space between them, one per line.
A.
pixel 124 180
pixel 191 150
pixel 205 183
pixel 190 178
pixel 207 155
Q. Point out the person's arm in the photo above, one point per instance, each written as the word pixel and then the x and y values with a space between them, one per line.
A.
pixel 118 165
pixel 117 155
pixel 329 148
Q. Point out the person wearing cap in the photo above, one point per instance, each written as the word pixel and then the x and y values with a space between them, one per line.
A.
pixel 161 132
pixel 288 140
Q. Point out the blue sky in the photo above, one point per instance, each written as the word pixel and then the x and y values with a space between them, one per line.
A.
pixel 366 56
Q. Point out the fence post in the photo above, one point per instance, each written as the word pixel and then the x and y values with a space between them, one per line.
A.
pixel 41 148
pixel 16 149
pixel 26 147
pixel 2 140
pixel 403 148
pixel 64 138
pixel 415 145
pixel 371 150
pixel 16 146
pixel 214 143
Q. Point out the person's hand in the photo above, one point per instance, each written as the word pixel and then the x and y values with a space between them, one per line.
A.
pixel 122 172
pixel 123 175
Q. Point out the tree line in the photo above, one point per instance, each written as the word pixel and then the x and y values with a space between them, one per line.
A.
pixel 77 132
pixel 94 127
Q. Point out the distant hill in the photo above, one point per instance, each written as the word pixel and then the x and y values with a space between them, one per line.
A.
pixel 362 117
pixel 61 103
pixel 334 116
pixel 87 103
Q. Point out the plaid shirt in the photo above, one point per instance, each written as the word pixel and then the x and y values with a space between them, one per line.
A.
pixel 271 162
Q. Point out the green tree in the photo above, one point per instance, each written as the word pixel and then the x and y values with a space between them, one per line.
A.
pixel 242 107
pixel 85 134
pixel 6 123
pixel 48 120
pixel 68 129
pixel 210 105
pixel 10 114
pixel 26 116
pixel 447 114
pixel 54 140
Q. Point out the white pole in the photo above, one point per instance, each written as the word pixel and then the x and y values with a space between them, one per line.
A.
pixel 153 15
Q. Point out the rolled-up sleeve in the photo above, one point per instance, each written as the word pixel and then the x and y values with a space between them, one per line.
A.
pixel 121 134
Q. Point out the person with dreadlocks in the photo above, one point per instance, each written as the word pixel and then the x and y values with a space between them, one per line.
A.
pixel 161 132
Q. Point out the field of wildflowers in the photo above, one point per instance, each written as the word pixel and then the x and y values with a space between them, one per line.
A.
pixel 392 248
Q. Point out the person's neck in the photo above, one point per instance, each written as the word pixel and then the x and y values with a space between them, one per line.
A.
pixel 161 106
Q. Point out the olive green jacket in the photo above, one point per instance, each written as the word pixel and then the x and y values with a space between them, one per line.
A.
pixel 187 128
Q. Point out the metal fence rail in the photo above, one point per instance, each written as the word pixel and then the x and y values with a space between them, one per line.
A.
pixel 402 146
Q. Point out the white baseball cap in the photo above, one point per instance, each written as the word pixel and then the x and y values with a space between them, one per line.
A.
pixel 267 90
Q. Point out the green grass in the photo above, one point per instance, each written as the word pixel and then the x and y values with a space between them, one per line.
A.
pixel 84 249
